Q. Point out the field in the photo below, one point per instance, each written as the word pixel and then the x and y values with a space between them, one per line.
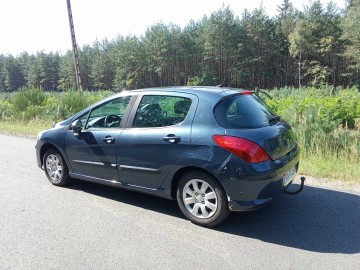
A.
pixel 326 123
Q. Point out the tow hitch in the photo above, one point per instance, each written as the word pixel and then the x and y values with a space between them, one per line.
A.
pixel 299 190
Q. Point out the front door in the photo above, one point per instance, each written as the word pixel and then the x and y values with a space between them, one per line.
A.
pixel 92 152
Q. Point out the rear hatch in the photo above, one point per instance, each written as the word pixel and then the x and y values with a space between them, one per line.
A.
pixel 247 116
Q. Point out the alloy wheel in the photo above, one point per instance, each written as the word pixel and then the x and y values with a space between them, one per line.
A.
pixel 200 198
pixel 54 167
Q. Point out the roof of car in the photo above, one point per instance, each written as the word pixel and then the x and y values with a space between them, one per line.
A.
pixel 192 89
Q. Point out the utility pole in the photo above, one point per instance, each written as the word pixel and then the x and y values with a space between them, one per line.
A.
pixel 299 69
pixel 74 48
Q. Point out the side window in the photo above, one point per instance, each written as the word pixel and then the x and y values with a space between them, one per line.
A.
pixel 161 111
pixel 108 115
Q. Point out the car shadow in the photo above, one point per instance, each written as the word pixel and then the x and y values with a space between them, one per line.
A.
pixel 318 220
pixel 138 199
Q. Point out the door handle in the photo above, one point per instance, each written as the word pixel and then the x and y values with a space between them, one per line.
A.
pixel 109 140
pixel 171 138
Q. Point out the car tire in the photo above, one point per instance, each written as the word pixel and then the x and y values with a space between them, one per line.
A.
pixel 55 168
pixel 202 199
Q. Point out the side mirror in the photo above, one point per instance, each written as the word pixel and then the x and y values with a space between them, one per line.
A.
pixel 76 126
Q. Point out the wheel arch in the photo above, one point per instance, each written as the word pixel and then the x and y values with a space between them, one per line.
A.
pixel 177 176
pixel 45 147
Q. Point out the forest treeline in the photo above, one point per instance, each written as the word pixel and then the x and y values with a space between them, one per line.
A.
pixel 317 46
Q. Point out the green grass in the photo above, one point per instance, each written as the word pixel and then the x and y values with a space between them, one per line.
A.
pixel 330 167
pixel 29 129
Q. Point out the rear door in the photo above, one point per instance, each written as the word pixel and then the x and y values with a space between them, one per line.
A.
pixel 158 133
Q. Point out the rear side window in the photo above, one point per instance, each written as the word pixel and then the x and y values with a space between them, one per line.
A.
pixel 161 111
pixel 243 111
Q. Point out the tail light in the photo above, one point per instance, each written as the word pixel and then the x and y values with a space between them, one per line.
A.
pixel 242 148
pixel 246 92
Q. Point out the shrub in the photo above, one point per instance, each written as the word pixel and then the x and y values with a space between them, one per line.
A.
pixel 6 109
pixel 25 98
pixel 27 104
pixel 34 104
pixel 322 123
pixel 72 102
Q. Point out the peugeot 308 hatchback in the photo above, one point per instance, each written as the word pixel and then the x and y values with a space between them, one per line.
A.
pixel 214 150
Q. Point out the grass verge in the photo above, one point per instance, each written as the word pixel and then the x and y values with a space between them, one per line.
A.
pixel 330 167
pixel 29 129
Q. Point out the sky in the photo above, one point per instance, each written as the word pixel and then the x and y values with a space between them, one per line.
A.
pixel 42 25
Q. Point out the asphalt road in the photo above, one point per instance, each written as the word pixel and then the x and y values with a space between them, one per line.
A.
pixel 89 226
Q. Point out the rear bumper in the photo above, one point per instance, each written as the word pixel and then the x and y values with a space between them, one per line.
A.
pixel 242 206
pixel 253 186
pixel 260 203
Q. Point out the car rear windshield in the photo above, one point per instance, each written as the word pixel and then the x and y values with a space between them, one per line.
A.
pixel 243 111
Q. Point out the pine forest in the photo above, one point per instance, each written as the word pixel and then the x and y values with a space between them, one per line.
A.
pixel 315 47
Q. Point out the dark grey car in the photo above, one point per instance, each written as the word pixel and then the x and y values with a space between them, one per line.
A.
pixel 214 150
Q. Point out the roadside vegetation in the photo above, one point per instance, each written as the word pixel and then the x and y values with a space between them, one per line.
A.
pixel 327 126
pixel 29 110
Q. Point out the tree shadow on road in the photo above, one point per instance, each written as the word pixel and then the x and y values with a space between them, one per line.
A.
pixel 318 220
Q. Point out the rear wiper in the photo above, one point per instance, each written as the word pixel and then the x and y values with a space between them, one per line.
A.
pixel 274 119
